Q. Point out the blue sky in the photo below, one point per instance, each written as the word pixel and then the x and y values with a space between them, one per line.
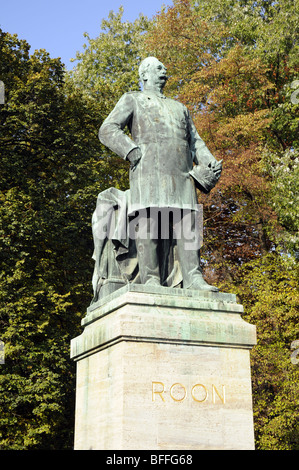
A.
pixel 58 25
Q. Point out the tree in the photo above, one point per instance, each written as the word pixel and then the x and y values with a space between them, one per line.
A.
pixel 118 48
pixel 233 64
pixel 283 169
pixel 107 68
pixel 52 169
pixel 49 181
pixel 225 89
pixel 268 289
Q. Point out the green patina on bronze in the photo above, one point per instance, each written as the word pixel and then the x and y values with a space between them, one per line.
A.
pixel 169 160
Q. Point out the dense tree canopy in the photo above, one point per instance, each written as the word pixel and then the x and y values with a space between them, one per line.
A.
pixel 118 47
pixel 268 288
pixel 233 63
pixel 49 182
pixel 233 92
pixel 52 168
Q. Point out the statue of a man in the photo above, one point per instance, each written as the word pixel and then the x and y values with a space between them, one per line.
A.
pixel 162 150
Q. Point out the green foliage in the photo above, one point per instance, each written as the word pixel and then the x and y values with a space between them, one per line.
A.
pixel 269 28
pixel 52 168
pixel 48 186
pixel 108 66
pixel 268 289
pixel 283 168
pixel 233 62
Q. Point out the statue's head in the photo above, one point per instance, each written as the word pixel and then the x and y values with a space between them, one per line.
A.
pixel 152 72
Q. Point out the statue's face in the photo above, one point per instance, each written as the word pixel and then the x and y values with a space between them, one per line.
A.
pixel 156 74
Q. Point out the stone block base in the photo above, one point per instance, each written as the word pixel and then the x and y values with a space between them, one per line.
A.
pixel 164 369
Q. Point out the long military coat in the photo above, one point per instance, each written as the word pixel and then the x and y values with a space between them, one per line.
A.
pixel 163 130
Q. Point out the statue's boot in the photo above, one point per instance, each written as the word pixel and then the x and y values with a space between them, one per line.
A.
pixel 198 283
pixel 191 270
pixel 148 261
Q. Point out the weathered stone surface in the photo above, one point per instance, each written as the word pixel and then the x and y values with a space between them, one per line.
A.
pixel 164 369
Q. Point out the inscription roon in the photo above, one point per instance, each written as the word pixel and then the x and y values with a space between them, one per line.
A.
pixel 178 392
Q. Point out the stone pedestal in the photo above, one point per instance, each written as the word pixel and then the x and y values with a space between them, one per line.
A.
pixel 162 368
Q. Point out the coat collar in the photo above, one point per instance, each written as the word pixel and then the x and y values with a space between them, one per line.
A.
pixel 151 94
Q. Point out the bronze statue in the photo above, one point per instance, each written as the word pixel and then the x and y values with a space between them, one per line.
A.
pixel 168 160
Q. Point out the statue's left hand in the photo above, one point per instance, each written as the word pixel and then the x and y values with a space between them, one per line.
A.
pixel 134 157
pixel 216 167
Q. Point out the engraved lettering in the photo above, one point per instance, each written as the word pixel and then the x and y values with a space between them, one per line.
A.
pixel 182 398
pixel 200 395
pixel 215 392
pixel 158 392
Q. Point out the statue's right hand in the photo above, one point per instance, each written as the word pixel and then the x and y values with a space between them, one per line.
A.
pixel 134 157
